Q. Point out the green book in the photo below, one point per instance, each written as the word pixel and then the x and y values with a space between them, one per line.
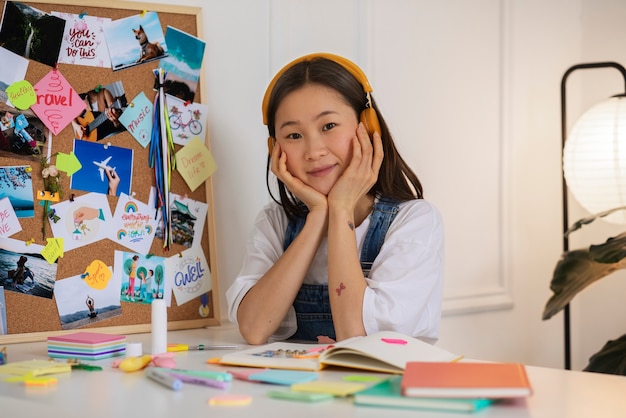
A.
pixel 387 394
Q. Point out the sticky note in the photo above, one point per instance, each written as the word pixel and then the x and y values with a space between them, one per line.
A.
pixel 299 396
pixel 40 381
pixel 21 94
pixel 394 341
pixel 195 163
pixel 283 377
pixel 57 102
pixel 137 119
pixel 68 163
pixel 53 249
pixel 333 388
pixel 230 400
pixel 97 275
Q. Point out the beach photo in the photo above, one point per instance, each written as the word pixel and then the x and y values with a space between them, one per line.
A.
pixel 80 304
pixel 183 64
pixel 23 269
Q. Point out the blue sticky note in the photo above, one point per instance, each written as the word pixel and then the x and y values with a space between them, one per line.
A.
pixel 283 377
pixel 137 119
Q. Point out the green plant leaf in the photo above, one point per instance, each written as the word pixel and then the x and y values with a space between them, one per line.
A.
pixel 579 268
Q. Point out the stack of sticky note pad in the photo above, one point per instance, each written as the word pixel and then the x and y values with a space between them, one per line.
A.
pixel 86 346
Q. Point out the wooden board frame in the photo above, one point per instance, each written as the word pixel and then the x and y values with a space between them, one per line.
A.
pixel 37 318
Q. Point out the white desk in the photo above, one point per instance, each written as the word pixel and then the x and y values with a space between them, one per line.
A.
pixel 112 393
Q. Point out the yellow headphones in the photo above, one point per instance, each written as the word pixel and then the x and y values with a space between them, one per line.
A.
pixel 368 115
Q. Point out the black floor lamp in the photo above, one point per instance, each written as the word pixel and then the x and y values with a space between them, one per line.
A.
pixel 613 163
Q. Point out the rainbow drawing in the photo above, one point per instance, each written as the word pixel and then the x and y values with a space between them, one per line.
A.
pixel 121 234
pixel 148 229
pixel 130 207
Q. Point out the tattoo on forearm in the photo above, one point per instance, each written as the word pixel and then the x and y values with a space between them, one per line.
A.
pixel 340 288
pixel 351 225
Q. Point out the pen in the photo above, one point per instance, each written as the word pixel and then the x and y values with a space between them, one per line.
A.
pixel 164 378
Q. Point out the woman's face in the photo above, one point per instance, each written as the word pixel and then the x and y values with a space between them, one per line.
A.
pixel 315 129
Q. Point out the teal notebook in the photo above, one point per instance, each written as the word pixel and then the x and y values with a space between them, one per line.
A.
pixel 387 394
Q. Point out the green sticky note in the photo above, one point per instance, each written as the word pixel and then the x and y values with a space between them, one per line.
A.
pixel 68 163
pixel 21 94
pixel 299 396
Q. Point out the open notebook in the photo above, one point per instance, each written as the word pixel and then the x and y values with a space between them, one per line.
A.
pixel 385 351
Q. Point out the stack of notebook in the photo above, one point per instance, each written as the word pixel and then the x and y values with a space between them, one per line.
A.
pixel 86 346
pixel 450 386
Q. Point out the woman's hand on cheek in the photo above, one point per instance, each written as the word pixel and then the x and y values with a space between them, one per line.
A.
pixel 362 172
pixel 309 196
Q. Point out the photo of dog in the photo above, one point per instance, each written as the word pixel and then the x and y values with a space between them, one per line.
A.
pixel 149 50
pixel 135 40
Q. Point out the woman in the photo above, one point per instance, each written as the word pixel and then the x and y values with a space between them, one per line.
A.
pixel 350 247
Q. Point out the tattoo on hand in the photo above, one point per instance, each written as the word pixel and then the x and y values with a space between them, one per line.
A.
pixel 339 289
pixel 351 225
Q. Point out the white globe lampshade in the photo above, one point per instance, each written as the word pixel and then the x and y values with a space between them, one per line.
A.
pixel 594 159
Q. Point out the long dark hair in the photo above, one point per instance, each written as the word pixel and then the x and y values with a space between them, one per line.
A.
pixel 396 180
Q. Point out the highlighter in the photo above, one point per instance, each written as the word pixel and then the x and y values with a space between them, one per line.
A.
pixel 164 378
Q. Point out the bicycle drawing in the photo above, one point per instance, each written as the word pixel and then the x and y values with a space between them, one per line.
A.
pixel 176 121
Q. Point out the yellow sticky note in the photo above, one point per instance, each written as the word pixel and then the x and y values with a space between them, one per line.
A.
pixel 97 275
pixel 22 94
pixel 53 250
pixel 195 163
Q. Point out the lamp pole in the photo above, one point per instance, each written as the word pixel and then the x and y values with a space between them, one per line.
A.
pixel 566 310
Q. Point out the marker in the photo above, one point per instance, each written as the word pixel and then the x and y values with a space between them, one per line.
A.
pixel 164 378
pixel 197 380
pixel 199 347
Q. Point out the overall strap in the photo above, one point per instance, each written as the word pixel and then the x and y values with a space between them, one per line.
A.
pixel 382 215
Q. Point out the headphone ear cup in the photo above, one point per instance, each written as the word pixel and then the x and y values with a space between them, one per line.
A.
pixel 270 144
pixel 370 120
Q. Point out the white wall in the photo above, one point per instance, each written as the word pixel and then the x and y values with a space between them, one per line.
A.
pixel 471 91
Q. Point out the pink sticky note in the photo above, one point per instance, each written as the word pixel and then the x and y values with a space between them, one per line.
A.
pixel 394 341
pixel 57 102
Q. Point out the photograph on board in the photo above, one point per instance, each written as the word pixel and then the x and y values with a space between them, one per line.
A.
pixel 105 169
pixel 80 303
pixel 12 70
pixel 22 133
pixel 16 183
pixel 3 313
pixel 100 119
pixel 31 33
pixel 135 40
pixel 24 270
pixel 183 64
pixel 142 277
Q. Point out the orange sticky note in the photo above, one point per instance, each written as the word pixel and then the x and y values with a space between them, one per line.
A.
pixel 230 400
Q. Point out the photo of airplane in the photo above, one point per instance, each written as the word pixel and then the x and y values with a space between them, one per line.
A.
pixel 103 165
pixel 106 158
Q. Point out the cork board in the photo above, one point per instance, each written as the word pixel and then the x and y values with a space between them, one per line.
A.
pixel 31 318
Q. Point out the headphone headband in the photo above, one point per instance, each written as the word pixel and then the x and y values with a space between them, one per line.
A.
pixel 348 65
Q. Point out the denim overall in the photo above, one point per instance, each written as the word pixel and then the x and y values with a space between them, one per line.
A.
pixel 312 303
